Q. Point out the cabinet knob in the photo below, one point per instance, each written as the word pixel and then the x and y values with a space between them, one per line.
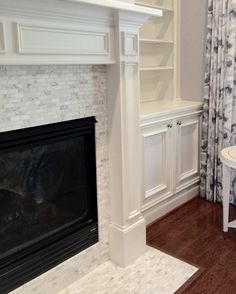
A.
pixel 169 126
pixel 179 123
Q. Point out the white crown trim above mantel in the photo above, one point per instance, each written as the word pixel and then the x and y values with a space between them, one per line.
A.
pixel 93 32
pixel 119 5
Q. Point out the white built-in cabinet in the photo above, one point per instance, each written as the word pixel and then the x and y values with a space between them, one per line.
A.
pixel 170 126
pixel 170 155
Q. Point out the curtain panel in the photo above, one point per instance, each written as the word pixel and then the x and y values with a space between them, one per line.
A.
pixel 219 108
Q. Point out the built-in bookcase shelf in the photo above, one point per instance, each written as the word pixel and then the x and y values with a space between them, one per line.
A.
pixel 161 28
pixel 157 54
pixel 167 122
pixel 156 86
pixel 156 68
pixel 157 4
pixel 156 41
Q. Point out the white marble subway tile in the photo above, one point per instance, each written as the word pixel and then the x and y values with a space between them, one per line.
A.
pixel 37 95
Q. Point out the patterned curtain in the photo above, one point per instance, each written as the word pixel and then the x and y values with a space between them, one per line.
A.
pixel 219 110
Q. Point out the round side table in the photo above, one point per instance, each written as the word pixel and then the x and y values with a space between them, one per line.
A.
pixel 228 158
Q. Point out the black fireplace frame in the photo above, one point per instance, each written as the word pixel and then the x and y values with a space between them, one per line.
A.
pixel 23 266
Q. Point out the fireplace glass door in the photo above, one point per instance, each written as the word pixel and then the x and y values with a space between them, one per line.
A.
pixel 48 201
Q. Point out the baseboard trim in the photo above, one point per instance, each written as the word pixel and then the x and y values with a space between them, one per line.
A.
pixel 161 209
pixel 127 244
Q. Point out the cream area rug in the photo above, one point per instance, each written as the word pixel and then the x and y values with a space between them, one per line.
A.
pixel 154 273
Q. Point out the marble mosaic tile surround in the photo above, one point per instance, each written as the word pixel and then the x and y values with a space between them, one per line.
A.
pixel 153 273
pixel 36 95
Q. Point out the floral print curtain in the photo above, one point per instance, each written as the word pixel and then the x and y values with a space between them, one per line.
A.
pixel 219 109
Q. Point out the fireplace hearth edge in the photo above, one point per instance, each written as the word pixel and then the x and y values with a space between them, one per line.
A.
pixel 31 261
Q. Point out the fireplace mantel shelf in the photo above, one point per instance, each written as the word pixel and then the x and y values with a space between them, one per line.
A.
pixel 119 5
pixel 66 31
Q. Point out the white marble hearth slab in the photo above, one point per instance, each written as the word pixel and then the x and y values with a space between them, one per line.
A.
pixel 154 273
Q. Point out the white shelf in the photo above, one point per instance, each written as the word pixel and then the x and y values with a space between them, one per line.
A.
pixel 156 41
pixel 156 86
pixel 157 55
pixel 119 5
pixel 156 68
pixel 150 109
pixel 165 9
pixel 158 29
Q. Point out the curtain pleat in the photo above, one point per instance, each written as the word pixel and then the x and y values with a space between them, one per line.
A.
pixel 219 106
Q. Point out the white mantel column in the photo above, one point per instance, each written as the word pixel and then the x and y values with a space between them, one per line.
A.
pixel 127 225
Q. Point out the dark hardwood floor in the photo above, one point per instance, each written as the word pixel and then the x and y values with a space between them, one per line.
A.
pixel 194 233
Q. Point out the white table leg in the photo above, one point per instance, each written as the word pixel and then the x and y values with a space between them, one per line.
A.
pixel 226 192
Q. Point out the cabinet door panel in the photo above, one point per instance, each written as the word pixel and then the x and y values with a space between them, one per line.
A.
pixel 187 165
pixel 157 164
pixel 155 161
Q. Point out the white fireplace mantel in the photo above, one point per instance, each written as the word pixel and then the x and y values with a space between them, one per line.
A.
pixel 120 5
pixel 93 32
pixel 63 31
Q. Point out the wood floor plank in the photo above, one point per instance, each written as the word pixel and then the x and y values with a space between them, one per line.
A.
pixel 194 233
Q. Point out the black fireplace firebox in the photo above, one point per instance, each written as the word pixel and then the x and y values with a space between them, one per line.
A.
pixel 48 198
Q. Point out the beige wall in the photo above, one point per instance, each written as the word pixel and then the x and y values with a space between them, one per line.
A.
pixel 192 32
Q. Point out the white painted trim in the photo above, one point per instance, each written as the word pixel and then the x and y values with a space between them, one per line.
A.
pixel 132 210
pixel 60 59
pixel 155 190
pixel 134 215
pixel 127 243
pixel 179 182
pixel 182 180
pixel 127 226
pixel 133 51
pixel 65 32
pixel 188 174
pixel 174 114
pixel 50 31
pixel 154 202
pixel 77 17
pixel 153 195
pixel 155 122
pixel 151 134
pixel 188 184
pixel 161 209
pixel 120 6
pixel 3 48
